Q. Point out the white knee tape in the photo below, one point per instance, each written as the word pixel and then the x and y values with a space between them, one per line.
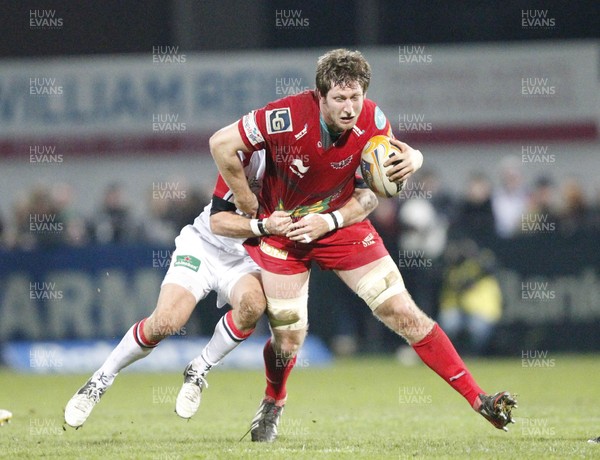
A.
pixel 381 283
pixel 288 314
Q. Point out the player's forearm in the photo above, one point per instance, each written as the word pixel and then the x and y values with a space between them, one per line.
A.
pixel 231 225
pixel 362 203
pixel 235 226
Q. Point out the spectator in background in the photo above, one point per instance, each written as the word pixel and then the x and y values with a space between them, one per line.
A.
pixel 158 227
pixel 509 199
pixel 16 235
pixel 595 211
pixel 575 213
pixel 3 234
pixel 76 228
pixel 434 191
pixel 542 199
pixel 423 220
pixel 471 299
pixel 37 221
pixel 422 241
pixel 114 223
pixel 541 207
pixel 474 217
pixel 183 212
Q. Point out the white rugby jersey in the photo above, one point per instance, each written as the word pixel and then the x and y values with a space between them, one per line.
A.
pixel 254 168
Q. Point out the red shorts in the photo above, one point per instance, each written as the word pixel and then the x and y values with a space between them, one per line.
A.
pixel 345 249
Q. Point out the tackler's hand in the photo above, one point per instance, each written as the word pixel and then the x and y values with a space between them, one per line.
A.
pixel 247 204
pixel 278 223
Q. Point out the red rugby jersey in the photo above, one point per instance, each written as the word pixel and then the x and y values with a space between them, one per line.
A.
pixel 301 176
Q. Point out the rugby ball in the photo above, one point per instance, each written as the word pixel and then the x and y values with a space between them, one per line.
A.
pixel 374 155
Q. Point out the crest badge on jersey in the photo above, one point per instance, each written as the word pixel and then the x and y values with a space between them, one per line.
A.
pixel 279 120
pixel 380 119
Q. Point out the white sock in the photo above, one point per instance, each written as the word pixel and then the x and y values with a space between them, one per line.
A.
pixel 125 353
pixel 224 340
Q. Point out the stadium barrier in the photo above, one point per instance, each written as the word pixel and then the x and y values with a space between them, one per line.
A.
pixel 550 284
pixel 85 356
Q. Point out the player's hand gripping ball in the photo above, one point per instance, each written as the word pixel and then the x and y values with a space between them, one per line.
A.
pixel 373 156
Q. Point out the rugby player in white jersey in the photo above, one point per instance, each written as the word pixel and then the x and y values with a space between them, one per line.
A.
pixel 209 256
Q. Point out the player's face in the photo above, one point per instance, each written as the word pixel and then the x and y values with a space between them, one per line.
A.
pixel 342 106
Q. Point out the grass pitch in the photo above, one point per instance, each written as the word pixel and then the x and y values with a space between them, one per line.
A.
pixel 368 408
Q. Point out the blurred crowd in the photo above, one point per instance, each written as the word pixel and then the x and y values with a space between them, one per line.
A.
pixel 426 216
pixel 47 217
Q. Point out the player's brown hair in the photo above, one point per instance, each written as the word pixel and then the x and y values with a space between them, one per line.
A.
pixel 342 67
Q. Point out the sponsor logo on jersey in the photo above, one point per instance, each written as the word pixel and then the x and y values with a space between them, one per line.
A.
pixel 380 119
pixel 368 240
pixel 279 120
pixel 190 262
pixel 342 164
pixel 251 129
pixel 298 168
pixel 273 251
pixel 300 134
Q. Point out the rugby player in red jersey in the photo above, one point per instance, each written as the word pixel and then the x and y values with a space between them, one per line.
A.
pixel 313 142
